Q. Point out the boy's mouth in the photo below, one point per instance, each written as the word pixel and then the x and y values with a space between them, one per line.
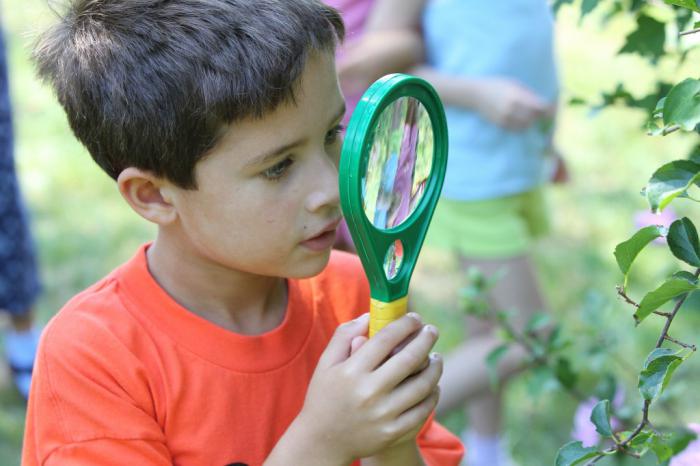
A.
pixel 324 239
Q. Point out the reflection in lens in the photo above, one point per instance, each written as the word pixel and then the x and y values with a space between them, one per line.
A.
pixel 393 260
pixel 399 163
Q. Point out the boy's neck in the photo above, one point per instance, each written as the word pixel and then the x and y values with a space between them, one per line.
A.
pixel 237 301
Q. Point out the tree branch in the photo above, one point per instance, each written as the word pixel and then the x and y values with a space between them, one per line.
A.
pixel 628 300
pixel 680 343
pixel 691 31
pixel 670 129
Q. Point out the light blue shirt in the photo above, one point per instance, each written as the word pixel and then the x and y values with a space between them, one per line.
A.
pixel 498 38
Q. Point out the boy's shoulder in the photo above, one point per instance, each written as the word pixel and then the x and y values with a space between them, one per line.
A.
pixel 96 314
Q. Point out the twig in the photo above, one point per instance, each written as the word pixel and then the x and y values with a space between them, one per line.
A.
pixel 621 292
pixel 680 343
pixel 540 359
pixel 669 319
pixel 670 129
pixel 691 31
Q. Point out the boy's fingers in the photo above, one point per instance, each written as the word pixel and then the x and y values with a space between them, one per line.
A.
pixel 356 343
pixel 418 387
pixel 410 358
pixel 416 416
pixel 339 347
pixel 380 346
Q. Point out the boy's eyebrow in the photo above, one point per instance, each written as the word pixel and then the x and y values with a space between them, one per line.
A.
pixel 263 158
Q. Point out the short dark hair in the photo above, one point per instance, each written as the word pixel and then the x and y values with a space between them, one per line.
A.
pixel 151 83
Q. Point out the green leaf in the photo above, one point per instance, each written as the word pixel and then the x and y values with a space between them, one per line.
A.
pixel 492 360
pixel 648 39
pixel 559 3
pixel 653 129
pixel 640 443
pixel 537 322
pixel 682 239
pixel 587 6
pixel 557 341
pixel 659 109
pixel 682 105
pixel 675 285
pixel 647 440
pixel 606 388
pixel 660 448
pixel 564 374
pixel 627 251
pixel 670 181
pixel 679 439
pixel 657 372
pixel 694 155
pixel 540 379
pixel 690 4
pixel 685 275
pixel 600 417
pixel 574 453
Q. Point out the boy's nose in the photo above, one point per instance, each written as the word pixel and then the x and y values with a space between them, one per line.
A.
pixel 324 187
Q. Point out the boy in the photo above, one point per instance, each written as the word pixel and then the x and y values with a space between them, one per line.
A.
pixel 219 343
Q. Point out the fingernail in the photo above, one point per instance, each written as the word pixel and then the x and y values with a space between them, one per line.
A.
pixel 435 356
pixel 432 329
pixel 415 316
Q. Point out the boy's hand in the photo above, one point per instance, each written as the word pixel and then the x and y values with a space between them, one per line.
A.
pixel 510 105
pixel 363 402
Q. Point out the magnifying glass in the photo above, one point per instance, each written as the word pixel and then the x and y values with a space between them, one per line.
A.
pixel 392 167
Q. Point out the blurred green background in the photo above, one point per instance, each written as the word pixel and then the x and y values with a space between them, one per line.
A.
pixel 83 229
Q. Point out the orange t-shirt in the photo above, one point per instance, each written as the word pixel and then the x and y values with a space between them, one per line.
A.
pixel 126 376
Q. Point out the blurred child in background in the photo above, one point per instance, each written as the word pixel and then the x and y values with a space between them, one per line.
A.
pixel 19 282
pixel 493 65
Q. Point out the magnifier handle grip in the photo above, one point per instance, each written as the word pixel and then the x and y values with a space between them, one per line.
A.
pixel 381 313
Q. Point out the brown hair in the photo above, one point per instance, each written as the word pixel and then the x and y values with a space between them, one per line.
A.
pixel 151 83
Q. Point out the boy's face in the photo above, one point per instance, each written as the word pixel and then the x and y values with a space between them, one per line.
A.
pixel 267 199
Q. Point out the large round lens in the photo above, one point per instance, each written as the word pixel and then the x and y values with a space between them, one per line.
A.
pixel 399 164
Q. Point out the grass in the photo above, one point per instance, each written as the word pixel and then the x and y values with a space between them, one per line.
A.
pixel 83 229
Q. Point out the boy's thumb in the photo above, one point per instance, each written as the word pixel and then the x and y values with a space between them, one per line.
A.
pixel 340 347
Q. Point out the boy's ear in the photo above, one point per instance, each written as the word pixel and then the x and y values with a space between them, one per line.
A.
pixel 147 194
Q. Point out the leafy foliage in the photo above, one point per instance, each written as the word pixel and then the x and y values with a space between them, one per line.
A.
pixel 676 108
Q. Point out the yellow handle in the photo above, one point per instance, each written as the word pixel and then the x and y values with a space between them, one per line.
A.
pixel 381 313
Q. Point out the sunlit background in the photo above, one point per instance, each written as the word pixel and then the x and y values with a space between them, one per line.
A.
pixel 83 229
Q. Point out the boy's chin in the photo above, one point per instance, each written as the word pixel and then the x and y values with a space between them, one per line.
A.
pixel 312 266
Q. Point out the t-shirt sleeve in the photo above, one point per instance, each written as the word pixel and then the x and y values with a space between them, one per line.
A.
pixel 438 446
pixel 91 402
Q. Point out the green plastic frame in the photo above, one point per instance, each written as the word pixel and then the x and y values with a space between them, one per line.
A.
pixel 372 243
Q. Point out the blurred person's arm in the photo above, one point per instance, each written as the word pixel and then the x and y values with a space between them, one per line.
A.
pixel 503 102
pixel 391 42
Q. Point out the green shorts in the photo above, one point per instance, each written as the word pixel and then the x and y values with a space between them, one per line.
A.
pixel 491 228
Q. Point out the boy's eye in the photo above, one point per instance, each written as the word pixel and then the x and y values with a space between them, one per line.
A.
pixel 334 133
pixel 278 170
